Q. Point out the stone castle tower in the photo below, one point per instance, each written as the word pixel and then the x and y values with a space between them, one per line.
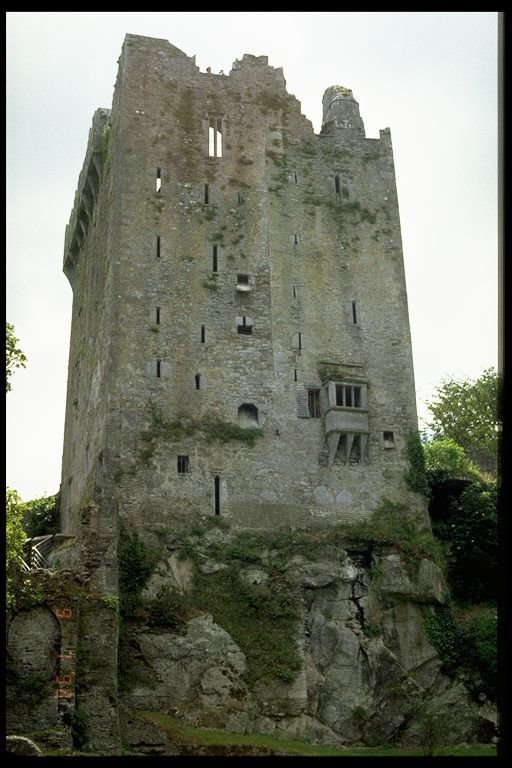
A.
pixel 240 339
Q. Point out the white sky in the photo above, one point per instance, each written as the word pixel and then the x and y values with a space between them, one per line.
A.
pixel 432 77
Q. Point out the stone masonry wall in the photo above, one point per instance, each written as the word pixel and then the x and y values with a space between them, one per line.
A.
pixel 312 224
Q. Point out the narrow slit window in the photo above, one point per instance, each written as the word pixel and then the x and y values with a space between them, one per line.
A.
pixel 354 312
pixel 295 178
pixel 295 239
pixel 158 368
pixel 203 334
pixel 157 315
pixel 215 259
pixel 314 403
pixel 295 291
pixel 300 340
pixel 216 491
pixel 219 138
pixel 158 180
pixel 337 184
pixel 158 246
pixel 183 465
pixel 215 137
pixel 295 374
pixel 198 380
pixel 206 194
pixel 244 326
pixel 239 198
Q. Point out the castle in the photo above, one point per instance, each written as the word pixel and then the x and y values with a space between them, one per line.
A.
pixel 240 339
pixel 240 352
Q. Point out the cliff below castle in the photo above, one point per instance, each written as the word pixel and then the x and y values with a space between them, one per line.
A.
pixel 318 635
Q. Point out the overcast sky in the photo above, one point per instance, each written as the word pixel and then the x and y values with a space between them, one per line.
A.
pixel 430 77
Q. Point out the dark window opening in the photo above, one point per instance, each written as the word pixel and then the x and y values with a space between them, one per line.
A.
pixel 245 327
pixel 355 453
pixel 216 484
pixel 203 334
pixel 248 415
pixel 157 315
pixel 295 178
pixel 314 403
pixel 295 374
pixel 300 340
pixel 389 440
pixel 158 180
pixel 215 262
pixel 198 380
pixel 183 465
pixel 158 368
pixel 295 291
pixel 242 281
pixel 337 185
pixel 239 198
pixel 354 312
pixel 295 240
pixel 348 396
pixel 158 246
pixel 206 194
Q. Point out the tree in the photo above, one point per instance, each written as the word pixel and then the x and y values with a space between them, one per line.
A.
pixel 445 459
pixel 467 412
pixel 13 354
pixel 15 538
pixel 42 515
pixel 463 511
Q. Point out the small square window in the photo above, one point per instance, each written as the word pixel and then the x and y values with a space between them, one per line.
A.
pixel 242 283
pixel 183 465
pixel 389 440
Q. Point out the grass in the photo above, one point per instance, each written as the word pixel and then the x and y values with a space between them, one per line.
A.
pixel 190 737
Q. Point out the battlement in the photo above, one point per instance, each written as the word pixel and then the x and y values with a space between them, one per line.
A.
pixel 87 191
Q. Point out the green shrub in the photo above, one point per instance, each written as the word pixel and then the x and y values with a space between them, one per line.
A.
pixel 263 620
pixel 466 642
pixel 390 525
pixel 42 515
pixel 416 476
pixel 447 637
pixel 469 528
pixel 136 564
pixel 79 728
pixel 169 609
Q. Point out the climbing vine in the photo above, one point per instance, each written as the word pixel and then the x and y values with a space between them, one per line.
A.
pixel 416 477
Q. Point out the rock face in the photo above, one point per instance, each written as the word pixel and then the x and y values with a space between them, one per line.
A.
pixel 366 662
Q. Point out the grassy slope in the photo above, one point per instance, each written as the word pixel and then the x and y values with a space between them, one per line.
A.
pixel 201 740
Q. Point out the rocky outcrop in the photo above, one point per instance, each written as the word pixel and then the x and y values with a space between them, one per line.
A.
pixel 367 665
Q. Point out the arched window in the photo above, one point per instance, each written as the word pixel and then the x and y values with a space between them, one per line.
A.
pixel 248 415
